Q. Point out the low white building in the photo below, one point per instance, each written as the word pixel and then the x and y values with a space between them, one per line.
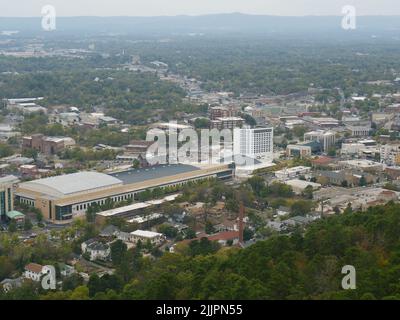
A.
pixel 288 173
pixel 361 164
pixel 299 186
pixel 155 238
pixel 352 148
pixel 66 118
pixel 283 211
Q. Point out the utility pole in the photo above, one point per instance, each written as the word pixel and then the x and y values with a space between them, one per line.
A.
pixel 322 201
pixel 241 228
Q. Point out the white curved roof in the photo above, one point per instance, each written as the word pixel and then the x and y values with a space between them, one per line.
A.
pixel 72 183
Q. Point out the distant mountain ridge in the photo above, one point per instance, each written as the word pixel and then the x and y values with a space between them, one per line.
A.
pixel 217 23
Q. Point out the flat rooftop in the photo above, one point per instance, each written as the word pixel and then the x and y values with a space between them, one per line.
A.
pixel 141 219
pixel 137 206
pixel 146 234
pixel 362 163
pixel 302 184
pixel 126 209
pixel 155 172
pixel 292 170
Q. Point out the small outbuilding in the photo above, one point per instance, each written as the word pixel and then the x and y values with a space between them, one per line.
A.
pixel 17 216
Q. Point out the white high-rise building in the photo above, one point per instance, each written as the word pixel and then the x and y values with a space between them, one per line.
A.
pixel 255 143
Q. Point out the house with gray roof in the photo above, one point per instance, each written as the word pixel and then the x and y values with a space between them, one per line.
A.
pixel 96 250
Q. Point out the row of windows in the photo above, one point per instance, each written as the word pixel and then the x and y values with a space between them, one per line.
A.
pixel 85 206
pixel 28 202
pixel 2 203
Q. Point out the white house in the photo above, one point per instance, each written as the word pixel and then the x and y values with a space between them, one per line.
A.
pixel 34 271
pixel 283 211
pixel 154 237
pixel 96 250
pixel 288 173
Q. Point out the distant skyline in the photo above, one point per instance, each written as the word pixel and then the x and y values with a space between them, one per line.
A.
pixel 32 8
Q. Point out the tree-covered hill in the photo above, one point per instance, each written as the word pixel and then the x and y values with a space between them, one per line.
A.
pixel 299 266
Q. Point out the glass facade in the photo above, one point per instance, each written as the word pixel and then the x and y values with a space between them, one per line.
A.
pixel 9 199
pixel 63 213
pixel 2 204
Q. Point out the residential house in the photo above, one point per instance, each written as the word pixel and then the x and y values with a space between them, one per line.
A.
pixel 66 270
pixel 298 221
pixel 109 231
pixel 10 284
pixel 96 250
pixel 34 271
pixel 155 238
pixel 223 238
pixel 283 211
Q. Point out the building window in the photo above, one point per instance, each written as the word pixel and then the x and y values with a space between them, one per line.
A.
pixel 63 213
pixel 2 203
pixel 9 199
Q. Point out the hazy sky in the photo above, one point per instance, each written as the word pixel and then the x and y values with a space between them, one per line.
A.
pixel 23 8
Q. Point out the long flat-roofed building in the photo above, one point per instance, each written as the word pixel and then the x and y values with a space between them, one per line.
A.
pixel 62 198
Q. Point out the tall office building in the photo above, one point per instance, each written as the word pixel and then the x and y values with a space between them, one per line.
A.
pixel 6 195
pixel 326 138
pixel 255 143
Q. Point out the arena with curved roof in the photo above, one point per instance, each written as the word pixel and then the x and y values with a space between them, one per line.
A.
pixel 74 183
pixel 64 197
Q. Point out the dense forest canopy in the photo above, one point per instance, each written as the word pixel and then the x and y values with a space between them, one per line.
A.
pixel 255 64
pixel 130 96
pixel 299 266
pixel 289 267
pixel 281 66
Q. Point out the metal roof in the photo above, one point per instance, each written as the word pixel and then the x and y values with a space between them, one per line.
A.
pixel 137 206
pixel 15 214
pixel 8 179
pixel 155 172
pixel 121 210
pixel 72 183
